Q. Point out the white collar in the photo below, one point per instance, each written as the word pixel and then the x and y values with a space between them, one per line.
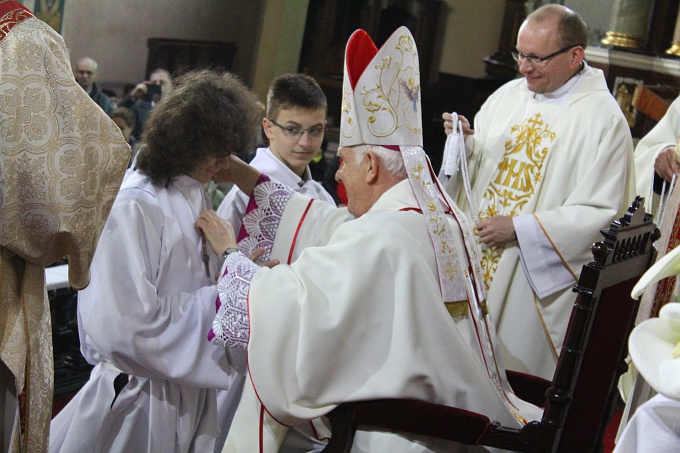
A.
pixel 561 94
pixel 267 162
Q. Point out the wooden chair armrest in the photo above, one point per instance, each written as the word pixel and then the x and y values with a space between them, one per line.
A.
pixel 410 416
pixel 527 387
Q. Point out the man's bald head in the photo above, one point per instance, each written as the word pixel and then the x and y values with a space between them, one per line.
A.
pixel 86 72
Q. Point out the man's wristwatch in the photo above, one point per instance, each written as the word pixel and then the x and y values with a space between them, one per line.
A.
pixel 228 252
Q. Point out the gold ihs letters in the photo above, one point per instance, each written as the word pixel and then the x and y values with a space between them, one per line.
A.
pixel 515 175
pixel 515 179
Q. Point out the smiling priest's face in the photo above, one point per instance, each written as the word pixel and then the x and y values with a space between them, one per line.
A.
pixel 540 39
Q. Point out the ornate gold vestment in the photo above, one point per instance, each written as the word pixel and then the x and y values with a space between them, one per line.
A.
pixel 61 163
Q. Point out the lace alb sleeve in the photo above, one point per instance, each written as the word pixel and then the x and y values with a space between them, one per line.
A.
pixel 260 223
pixel 263 216
pixel 231 327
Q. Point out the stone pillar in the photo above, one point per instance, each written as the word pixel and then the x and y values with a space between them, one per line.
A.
pixel 629 24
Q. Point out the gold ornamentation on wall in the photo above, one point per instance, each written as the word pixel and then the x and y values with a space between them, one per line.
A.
pixel 628 27
pixel 675 47
pixel 624 89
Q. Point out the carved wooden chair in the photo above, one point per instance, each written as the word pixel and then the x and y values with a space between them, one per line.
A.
pixel 578 402
pixel 653 101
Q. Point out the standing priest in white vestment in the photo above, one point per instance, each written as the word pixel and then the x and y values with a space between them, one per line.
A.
pixel 61 162
pixel 380 299
pixel 550 164
pixel 656 157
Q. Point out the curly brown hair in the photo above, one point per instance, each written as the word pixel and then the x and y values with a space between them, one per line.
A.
pixel 208 113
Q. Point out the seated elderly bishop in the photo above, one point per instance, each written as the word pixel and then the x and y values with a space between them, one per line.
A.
pixel 380 299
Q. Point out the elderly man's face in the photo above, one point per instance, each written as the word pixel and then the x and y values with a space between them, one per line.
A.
pixel 86 73
pixel 539 39
pixel 353 175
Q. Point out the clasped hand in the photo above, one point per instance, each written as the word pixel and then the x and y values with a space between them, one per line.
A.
pixel 666 164
pixel 497 230
pixel 220 236
pixel 449 125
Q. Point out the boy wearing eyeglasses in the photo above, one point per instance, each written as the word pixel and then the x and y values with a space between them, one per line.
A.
pixel 550 164
pixel 295 124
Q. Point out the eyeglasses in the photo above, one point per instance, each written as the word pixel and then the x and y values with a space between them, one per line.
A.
pixel 298 132
pixel 538 62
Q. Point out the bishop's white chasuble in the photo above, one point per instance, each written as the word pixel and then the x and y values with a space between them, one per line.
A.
pixel 358 314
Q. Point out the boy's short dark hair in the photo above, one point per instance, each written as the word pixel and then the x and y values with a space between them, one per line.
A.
pixel 294 90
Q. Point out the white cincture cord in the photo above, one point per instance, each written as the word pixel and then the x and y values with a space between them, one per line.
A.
pixel 663 207
pixel 455 159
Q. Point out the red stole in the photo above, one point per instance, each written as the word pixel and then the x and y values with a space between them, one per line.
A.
pixel 11 13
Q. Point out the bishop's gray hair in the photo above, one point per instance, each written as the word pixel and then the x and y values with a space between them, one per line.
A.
pixel 389 159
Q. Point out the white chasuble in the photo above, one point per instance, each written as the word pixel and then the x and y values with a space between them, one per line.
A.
pixel 568 164
pixel 663 135
pixel 358 314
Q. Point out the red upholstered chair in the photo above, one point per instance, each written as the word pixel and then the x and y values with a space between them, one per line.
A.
pixel 578 402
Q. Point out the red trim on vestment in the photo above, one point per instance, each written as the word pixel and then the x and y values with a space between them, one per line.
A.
pixel 252 382
pixel 359 53
pixel 261 403
pixel 292 245
pixel 12 13
pixel 262 429
pixel 314 432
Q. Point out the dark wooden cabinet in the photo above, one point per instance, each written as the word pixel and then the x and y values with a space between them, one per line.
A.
pixel 178 56
pixel 330 23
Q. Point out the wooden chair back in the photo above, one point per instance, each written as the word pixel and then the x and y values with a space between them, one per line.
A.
pixel 647 101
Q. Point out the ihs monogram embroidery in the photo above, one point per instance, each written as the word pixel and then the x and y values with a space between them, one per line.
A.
pixel 515 179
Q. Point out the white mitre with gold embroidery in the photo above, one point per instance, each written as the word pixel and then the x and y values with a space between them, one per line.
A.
pixel 381 106
pixel 381 92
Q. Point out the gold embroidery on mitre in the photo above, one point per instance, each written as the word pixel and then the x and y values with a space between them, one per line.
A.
pixel 514 182
pixel 392 103
pixel 485 308
pixel 347 110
